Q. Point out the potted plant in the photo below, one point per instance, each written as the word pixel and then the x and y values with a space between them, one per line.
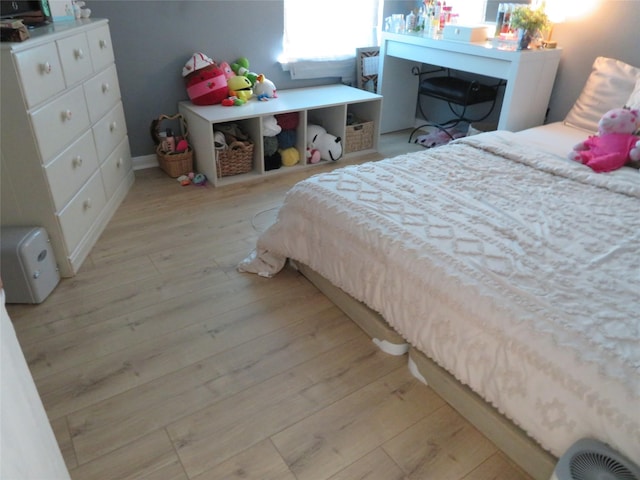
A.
pixel 528 21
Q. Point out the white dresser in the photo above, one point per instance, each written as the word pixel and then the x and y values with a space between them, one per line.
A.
pixel 65 159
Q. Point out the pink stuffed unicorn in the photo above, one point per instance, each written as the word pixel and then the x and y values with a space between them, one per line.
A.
pixel 614 146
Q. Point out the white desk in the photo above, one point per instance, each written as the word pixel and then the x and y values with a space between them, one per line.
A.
pixel 529 74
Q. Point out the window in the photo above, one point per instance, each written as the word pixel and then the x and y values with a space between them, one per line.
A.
pixel 323 42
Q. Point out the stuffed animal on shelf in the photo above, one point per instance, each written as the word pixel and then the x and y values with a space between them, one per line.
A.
pixel 273 161
pixel 205 81
pixel 270 127
pixel 240 88
pixel 615 144
pixel 264 88
pixel 313 155
pixel 289 156
pixel 329 146
pixel 226 68
pixel 241 67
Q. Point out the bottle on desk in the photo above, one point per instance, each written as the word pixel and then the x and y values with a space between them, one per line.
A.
pixel 499 19
pixel 411 22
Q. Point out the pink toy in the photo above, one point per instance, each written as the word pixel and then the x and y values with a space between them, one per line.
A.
pixel 438 137
pixel 205 81
pixel 614 146
pixel 226 69
pixel 313 155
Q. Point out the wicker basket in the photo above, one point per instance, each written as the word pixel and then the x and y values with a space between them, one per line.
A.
pixel 359 137
pixel 234 160
pixel 174 164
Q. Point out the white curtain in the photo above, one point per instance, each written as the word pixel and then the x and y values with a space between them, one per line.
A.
pixel 320 39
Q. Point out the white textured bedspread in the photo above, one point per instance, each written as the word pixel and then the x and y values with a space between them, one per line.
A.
pixel 515 270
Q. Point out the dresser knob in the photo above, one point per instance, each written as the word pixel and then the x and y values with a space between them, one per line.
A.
pixel 113 126
pixel 103 44
pixel 67 114
pixel 105 87
pixel 79 54
pixel 87 204
pixel 119 162
pixel 45 67
pixel 77 161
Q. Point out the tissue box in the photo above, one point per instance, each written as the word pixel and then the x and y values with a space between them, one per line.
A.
pixel 465 33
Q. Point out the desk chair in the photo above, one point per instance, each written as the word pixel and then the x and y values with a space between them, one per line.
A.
pixel 454 91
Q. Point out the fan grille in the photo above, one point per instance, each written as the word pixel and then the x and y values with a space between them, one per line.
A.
pixel 596 466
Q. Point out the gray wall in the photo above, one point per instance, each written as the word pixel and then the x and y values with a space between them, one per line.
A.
pixel 153 39
pixel 610 31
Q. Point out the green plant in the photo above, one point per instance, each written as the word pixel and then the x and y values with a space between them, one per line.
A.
pixel 529 19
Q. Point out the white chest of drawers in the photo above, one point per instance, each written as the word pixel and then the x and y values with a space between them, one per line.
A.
pixel 65 163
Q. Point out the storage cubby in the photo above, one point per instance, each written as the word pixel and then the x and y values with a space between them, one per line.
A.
pixel 326 106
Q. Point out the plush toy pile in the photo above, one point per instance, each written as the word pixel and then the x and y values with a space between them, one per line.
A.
pixel 614 146
pixel 233 84
pixel 288 138
pixel 211 83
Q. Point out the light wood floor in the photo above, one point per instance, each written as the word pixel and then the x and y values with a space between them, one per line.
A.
pixel 160 361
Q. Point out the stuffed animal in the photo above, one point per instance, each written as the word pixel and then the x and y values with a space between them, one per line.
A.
pixel 226 68
pixel 313 155
pixel 240 87
pixel 264 88
pixel 241 67
pixel 273 161
pixel 614 146
pixel 287 139
pixel 330 146
pixel 634 154
pixel 288 121
pixel 289 156
pixel 205 81
pixel 270 127
pixel 438 137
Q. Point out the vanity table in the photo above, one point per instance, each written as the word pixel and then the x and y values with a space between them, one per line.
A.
pixel 529 74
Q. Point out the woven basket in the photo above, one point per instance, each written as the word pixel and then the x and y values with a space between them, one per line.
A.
pixel 234 160
pixel 359 137
pixel 174 164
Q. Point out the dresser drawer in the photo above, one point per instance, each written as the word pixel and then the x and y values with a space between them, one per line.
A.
pixel 59 122
pixel 109 132
pixel 116 167
pixel 100 47
pixel 68 172
pixel 81 212
pixel 102 93
pixel 40 72
pixel 75 57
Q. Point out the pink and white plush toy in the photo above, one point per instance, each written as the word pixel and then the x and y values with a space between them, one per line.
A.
pixel 614 146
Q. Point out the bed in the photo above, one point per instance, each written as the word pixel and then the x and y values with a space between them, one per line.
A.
pixel 509 273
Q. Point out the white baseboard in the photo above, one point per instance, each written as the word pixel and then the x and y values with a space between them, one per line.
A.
pixel 144 161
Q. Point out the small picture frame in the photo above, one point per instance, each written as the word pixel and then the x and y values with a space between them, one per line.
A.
pixel 61 10
pixel 367 59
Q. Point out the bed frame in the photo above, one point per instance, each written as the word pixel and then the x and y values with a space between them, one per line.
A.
pixel 509 438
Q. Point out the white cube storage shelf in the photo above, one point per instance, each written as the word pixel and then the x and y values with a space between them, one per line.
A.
pixel 326 106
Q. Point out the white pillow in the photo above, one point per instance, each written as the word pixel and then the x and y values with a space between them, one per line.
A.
pixel 608 86
pixel 634 99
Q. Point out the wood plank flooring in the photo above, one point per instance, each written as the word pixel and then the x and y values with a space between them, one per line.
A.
pixel 160 361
